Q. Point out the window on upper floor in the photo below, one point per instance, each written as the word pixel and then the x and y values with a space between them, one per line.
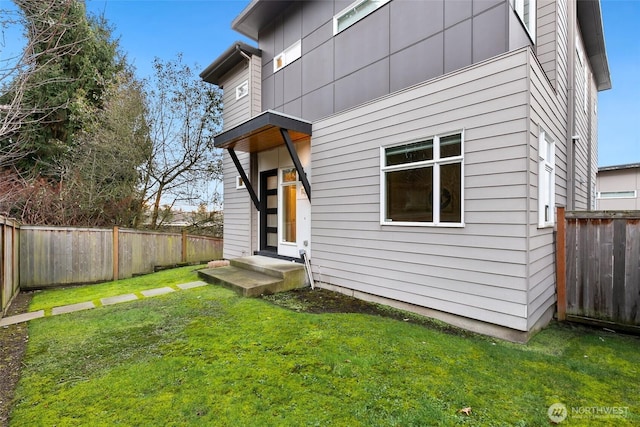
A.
pixel 422 182
pixel 242 89
pixel 287 56
pixel 546 180
pixel 585 75
pixel 355 12
pixel 526 11
pixel 631 194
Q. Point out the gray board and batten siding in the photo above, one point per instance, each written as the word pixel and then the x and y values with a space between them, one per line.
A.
pixel 401 44
pixel 480 270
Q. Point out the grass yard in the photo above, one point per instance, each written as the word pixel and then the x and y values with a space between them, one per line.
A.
pixel 208 357
pixel 46 300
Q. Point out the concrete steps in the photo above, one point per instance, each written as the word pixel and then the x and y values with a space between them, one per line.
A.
pixel 257 275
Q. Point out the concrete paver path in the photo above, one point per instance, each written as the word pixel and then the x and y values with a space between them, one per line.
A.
pixel 11 320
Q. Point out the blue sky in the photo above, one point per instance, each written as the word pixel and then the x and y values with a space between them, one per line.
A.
pixel 201 30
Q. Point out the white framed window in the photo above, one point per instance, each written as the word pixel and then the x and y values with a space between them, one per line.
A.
pixel 287 56
pixel 242 89
pixel 526 11
pixel 585 74
pixel 546 180
pixel 631 194
pixel 422 182
pixel 240 183
pixel 585 89
pixel 579 52
pixel 355 12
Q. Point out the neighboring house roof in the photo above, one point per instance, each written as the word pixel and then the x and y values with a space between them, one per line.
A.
pixel 259 13
pixel 619 167
pixel 590 20
pixel 225 62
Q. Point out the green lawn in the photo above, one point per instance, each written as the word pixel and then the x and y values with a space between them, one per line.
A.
pixel 208 357
pixel 57 297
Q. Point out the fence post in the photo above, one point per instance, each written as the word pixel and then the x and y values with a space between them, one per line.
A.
pixel 116 260
pixel 184 245
pixel 561 265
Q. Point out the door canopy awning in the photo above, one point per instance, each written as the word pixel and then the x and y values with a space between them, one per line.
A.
pixel 267 130
pixel 262 132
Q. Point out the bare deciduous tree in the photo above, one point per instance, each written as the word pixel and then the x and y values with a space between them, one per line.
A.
pixel 184 114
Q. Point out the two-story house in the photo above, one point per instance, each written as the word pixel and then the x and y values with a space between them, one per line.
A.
pixel 416 150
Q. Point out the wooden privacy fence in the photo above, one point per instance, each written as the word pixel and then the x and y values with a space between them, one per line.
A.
pixel 52 256
pixel 599 267
pixel 9 271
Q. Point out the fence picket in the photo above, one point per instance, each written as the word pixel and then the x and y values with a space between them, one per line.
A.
pixel 603 267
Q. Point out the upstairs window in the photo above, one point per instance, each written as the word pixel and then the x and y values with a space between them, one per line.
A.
pixel 631 194
pixel 422 182
pixel 526 11
pixel 355 12
pixel 546 181
pixel 287 56
pixel 242 89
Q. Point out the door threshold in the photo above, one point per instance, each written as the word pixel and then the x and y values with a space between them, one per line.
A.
pixel 272 254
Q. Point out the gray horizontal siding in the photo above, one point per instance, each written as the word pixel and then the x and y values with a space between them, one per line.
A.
pixel 237 211
pixel 547 35
pixel 235 111
pixel 548 113
pixel 478 271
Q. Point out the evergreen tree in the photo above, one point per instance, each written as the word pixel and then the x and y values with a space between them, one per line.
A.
pixel 65 91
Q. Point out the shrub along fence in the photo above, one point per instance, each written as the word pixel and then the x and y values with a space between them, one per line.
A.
pixel 9 271
pixel 599 268
pixel 33 257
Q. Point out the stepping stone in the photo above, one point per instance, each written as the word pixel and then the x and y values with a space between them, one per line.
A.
pixel 192 285
pixel 12 320
pixel 73 307
pixel 118 299
pixel 157 291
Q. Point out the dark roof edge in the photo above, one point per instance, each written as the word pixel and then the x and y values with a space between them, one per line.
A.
pixel 257 14
pixel 226 61
pixel 619 167
pixel 590 19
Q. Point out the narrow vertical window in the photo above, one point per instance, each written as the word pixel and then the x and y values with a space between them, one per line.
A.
pixel 546 180
pixel 289 201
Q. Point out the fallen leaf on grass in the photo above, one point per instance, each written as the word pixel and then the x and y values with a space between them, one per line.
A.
pixel 466 411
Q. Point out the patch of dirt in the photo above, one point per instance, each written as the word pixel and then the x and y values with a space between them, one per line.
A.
pixel 13 343
pixel 323 301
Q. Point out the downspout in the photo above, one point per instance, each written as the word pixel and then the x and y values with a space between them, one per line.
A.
pixel 571 104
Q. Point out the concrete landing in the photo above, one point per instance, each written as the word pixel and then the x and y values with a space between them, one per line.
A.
pixel 257 275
